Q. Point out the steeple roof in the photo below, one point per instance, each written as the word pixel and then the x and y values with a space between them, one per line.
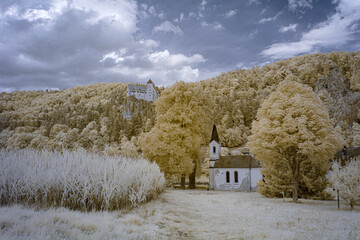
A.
pixel 214 135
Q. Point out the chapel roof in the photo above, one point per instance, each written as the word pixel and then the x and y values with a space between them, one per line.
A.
pixel 239 161
pixel 214 135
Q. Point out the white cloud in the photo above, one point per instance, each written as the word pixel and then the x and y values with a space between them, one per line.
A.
pixel 296 5
pixel 230 13
pixel 145 11
pixel 336 31
pixel 254 2
pixel 291 27
pixel 168 27
pixel 253 33
pixel 180 18
pixel 287 50
pixel 163 67
pixel 174 60
pixel 241 65
pixel 203 4
pixel 31 14
pixel 116 57
pixel 149 43
pixel 152 10
pixel 264 20
pixel 215 25
pixel 121 12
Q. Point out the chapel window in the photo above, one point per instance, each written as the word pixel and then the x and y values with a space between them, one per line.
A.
pixel 214 149
pixel 236 176
pixel 227 177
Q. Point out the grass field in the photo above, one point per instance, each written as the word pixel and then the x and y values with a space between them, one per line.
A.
pixel 186 214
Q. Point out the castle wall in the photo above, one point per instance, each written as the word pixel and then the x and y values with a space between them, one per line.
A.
pixel 148 94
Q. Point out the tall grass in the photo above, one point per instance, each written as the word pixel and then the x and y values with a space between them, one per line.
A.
pixel 77 179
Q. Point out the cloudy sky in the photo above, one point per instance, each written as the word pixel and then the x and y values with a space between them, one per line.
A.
pixel 59 44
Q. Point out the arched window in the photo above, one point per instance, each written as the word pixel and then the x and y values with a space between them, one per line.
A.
pixel 227 177
pixel 236 176
pixel 214 149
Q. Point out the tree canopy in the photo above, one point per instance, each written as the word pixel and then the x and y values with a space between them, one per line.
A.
pixel 293 138
pixel 183 124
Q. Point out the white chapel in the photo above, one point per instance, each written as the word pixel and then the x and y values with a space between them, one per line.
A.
pixel 233 173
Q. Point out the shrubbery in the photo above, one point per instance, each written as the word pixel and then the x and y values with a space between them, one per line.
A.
pixel 346 180
pixel 77 180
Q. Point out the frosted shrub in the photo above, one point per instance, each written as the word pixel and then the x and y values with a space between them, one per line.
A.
pixel 77 180
pixel 346 179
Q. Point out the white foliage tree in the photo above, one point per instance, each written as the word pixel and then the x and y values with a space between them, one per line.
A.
pixel 347 180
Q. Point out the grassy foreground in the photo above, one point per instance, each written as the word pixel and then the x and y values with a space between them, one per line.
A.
pixel 185 214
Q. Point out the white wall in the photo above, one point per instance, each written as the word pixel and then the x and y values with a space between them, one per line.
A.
pixel 217 154
pixel 211 178
pixel 150 95
pixel 243 183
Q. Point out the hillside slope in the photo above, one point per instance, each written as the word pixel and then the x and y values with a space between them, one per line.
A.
pixel 91 116
pixel 335 77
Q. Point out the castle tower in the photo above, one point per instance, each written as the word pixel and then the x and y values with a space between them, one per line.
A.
pixel 214 155
pixel 151 94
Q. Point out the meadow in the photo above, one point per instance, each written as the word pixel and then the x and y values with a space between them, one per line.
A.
pixel 189 214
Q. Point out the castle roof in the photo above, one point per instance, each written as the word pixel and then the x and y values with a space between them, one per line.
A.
pixel 239 161
pixel 150 81
pixel 214 135
pixel 136 88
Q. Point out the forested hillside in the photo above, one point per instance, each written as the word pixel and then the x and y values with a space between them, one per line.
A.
pixel 91 116
pixel 334 77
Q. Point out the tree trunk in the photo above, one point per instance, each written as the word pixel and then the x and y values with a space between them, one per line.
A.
pixel 295 191
pixel 352 203
pixel 192 178
pixel 296 174
pixel 182 181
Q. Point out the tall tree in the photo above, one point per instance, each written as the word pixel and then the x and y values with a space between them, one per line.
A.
pixel 294 139
pixel 183 123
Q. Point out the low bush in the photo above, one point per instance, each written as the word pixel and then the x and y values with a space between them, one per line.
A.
pixel 77 179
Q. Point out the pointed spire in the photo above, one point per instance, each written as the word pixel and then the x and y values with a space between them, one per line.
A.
pixel 214 135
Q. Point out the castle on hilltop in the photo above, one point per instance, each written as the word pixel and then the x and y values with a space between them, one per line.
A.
pixel 140 92
pixel 147 93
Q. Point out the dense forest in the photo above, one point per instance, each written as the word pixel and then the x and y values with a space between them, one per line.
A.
pixel 91 117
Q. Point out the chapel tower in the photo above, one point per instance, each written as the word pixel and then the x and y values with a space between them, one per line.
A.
pixel 214 154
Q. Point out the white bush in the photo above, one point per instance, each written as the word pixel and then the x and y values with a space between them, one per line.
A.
pixel 77 180
pixel 346 179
